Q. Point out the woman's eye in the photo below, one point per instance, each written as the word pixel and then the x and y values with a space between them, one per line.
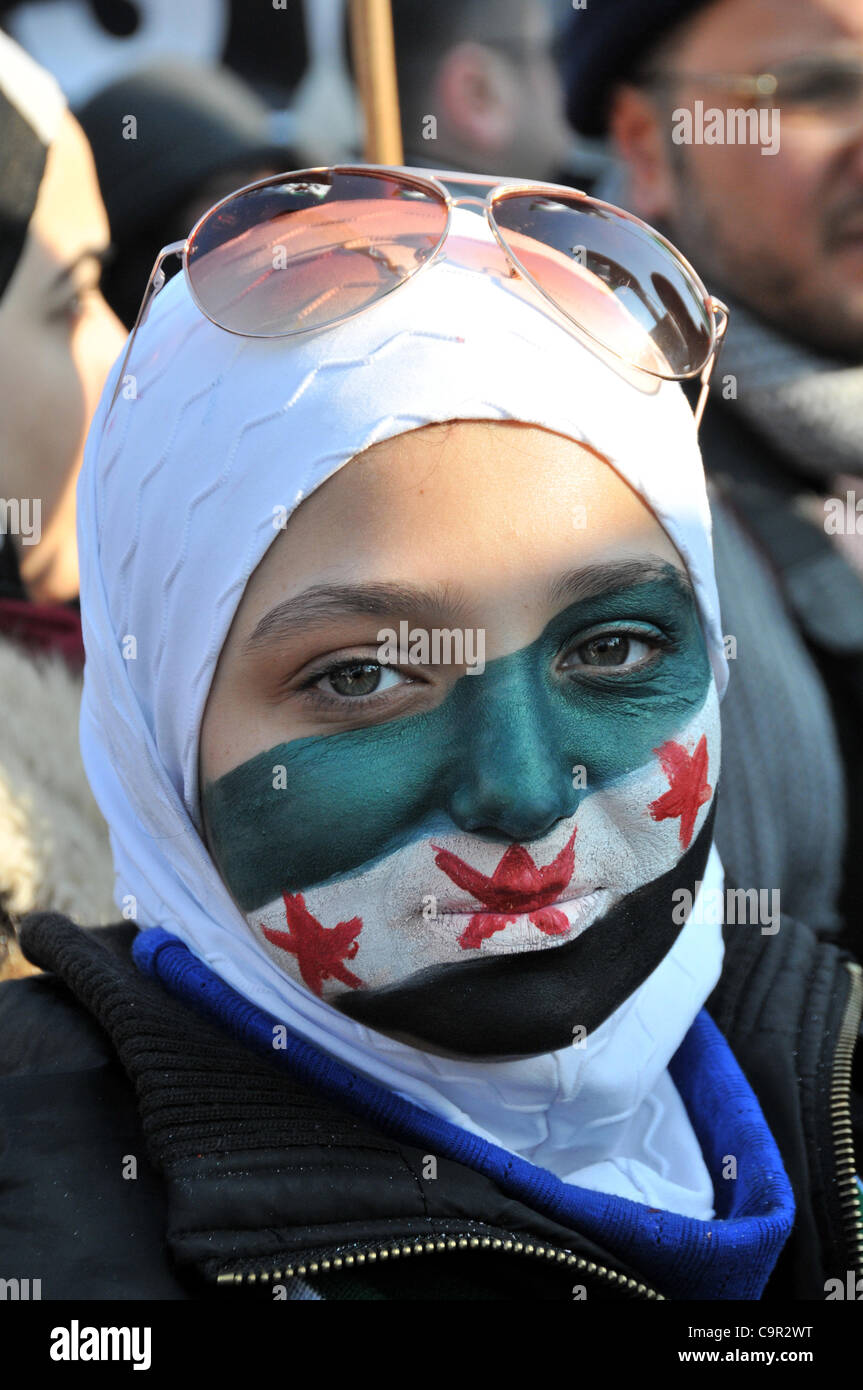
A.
pixel 72 309
pixel 357 678
pixel 75 306
pixel 611 649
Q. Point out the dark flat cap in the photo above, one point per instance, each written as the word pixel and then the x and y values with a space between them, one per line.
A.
pixel 604 42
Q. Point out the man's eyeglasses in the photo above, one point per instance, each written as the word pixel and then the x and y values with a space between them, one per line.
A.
pixel 299 252
pixel 810 90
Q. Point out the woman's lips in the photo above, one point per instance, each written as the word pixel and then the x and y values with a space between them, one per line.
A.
pixel 535 930
pixel 520 899
pixel 535 902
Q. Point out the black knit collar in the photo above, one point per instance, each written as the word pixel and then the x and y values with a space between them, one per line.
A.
pixel 260 1170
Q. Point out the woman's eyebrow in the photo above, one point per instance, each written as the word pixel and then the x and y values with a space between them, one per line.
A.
pixel 589 581
pixel 321 604
pixel 100 255
pixel 326 603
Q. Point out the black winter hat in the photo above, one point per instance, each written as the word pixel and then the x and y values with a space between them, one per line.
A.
pixel 604 42
pixel 192 121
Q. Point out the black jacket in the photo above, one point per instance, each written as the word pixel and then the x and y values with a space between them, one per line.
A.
pixel 146 1154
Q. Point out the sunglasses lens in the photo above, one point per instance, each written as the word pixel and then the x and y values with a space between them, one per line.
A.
pixel 628 292
pixel 301 252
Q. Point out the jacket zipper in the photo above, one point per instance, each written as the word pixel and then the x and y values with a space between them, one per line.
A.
pixel 840 1115
pixel 455 1240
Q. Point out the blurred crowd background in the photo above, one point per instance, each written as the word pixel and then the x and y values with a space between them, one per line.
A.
pixel 225 91
pixel 175 105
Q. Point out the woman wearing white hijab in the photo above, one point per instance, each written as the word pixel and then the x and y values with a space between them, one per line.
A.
pixel 410 770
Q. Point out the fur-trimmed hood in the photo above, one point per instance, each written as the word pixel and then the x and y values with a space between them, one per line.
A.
pixel 54 847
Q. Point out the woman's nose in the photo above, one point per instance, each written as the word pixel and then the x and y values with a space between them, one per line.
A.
pixel 514 777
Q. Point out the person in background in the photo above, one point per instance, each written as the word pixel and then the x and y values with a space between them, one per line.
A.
pixel 57 340
pixel 479 87
pixel 169 141
pixel 775 220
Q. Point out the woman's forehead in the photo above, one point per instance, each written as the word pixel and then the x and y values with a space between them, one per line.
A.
pixel 495 511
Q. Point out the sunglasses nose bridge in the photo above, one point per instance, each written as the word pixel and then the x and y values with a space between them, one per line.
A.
pixel 481 207
pixel 469 200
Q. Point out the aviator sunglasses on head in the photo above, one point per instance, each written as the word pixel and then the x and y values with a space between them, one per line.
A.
pixel 301 251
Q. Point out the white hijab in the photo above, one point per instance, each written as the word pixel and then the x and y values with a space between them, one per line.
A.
pixel 180 496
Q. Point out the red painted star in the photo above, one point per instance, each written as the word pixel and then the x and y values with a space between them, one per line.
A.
pixel 517 886
pixel 319 950
pixel 689 786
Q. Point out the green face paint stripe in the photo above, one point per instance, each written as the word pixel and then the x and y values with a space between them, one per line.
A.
pixel 346 799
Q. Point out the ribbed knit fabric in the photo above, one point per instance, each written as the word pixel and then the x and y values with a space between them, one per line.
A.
pixel 721 1259
pixel 771 832
pixel 805 404
pixel 186 1073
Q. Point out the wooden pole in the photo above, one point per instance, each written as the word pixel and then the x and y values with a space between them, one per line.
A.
pixel 375 66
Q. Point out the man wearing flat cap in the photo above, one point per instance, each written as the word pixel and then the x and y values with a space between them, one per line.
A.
pixel 740 127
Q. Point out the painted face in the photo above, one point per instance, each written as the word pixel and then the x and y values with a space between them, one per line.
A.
pixel 493 867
